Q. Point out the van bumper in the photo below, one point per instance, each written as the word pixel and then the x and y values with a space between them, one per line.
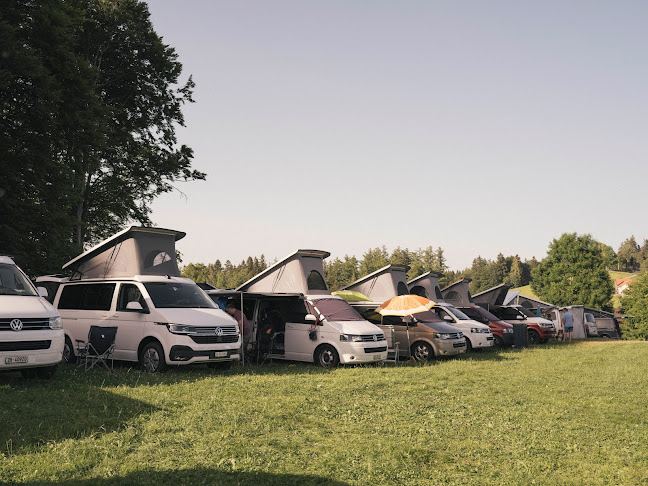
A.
pixel 186 355
pixel 14 359
pixel 363 353
pixel 451 347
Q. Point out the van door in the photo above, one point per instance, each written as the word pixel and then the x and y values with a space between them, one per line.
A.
pixel 130 323
pixel 299 345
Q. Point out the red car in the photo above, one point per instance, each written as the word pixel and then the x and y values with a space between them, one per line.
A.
pixel 502 331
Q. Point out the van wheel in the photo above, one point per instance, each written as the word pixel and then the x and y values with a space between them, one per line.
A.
pixel 327 357
pixel 152 358
pixel 469 347
pixel 68 351
pixel 534 337
pixel 498 342
pixel 422 351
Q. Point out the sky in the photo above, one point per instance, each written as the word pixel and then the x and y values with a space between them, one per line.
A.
pixel 343 125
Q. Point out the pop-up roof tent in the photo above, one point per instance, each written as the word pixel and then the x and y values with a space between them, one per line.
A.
pixel 135 251
pixel 301 272
pixel 426 285
pixel 382 284
pixel 493 296
pixel 514 297
pixel 458 293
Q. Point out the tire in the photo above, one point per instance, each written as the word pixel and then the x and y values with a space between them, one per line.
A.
pixel 544 341
pixel 422 351
pixel 152 358
pixel 534 337
pixel 498 342
pixel 46 373
pixel 68 352
pixel 327 357
pixel 469 346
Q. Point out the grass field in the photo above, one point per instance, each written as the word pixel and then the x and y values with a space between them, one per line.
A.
pixel 554 414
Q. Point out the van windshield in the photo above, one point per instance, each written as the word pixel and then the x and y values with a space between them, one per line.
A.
pixel 337 310
pixel 14 282
pixel 167 295
pixel 457 313
pixel 525 311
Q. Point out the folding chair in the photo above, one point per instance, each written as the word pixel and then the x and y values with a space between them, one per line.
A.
pixel 98 349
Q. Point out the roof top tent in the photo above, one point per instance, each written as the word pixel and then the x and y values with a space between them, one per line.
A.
pixel 383 284
pixel 426 285
pixel 493 296
pixel 301 272
pixel 137 250
pixel 514 297
pixel 458 293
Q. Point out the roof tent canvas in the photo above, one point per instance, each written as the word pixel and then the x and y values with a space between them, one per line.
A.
pixel 426 285
pixel 493 296
pixel 135 251
pixel 458 293
pixel 515 297
pixel 301 272
pixel 383 284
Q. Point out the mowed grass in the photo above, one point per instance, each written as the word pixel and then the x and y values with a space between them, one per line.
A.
pixel 553 414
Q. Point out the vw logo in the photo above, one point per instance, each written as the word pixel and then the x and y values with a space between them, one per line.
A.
pixel 375 338
pixel 218 331
pixel 16 324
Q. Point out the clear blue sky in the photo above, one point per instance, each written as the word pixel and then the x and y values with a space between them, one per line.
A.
pixel 480 127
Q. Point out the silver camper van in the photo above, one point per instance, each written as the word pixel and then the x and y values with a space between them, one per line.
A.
pixel 31 338
pixel 293 316
pixel 131 281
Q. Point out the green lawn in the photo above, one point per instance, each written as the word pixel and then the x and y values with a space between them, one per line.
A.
pixel 554 414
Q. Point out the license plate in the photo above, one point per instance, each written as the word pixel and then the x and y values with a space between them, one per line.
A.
pixel 16 359
pixel 377 357
pixel 220 354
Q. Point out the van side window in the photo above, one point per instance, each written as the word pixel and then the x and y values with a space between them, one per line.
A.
pixel 297 311
pixel 129 293
pixel 87 297
pixel 315 281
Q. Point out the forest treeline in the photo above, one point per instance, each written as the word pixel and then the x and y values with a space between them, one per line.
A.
pixel 340 272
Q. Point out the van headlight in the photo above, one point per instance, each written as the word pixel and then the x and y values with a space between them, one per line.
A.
pixel 181 329
pixel 479 330
pixel 546 326
pixel 55 323
pixel 507 330
pixel 354 338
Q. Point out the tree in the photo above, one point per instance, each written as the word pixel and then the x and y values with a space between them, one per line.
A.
pixel 373 260
pixel 573 273
pixel 628 255
pixel 89 105
pixel 635 303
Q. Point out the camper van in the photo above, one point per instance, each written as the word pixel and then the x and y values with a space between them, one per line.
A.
pixel 131 281
pixel 502 331
pixel 294 316
pixel 31 338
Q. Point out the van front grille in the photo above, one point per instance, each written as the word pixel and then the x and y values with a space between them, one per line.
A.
pixel 381 349
pixel 24 345
pixel 366 338
pixel 459 345
pixel 198 339
pixel 28 324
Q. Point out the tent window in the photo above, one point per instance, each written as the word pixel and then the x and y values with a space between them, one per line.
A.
pixel 453 295
pixel 155 258
pixel 315 281
pixel 419 290
pixel 438 293
pixel 402 289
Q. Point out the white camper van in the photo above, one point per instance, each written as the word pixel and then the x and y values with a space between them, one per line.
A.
pixel 31 338
pixel 294 316
pixel 131 281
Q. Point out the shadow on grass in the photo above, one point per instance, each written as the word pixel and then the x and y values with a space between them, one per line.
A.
pixel 37 412
pixel 203 476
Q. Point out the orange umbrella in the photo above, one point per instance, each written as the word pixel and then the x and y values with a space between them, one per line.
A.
pixel 405 305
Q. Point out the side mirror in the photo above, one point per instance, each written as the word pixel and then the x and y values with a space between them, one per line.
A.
pixel 135 306
pixel 310 318
pixel 519 317
pixel 42 291
pixel 448 319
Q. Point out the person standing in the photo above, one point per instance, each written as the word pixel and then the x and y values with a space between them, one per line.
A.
pixel 568 324
pixel 242 321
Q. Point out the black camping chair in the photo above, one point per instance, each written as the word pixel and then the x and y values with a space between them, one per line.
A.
pixel 98 349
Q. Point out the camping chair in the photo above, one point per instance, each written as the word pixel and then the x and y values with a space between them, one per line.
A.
pixel 98 349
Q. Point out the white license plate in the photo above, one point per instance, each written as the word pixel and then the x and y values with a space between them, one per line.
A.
pixel 16 359
pixel 220 354
pixel 377 357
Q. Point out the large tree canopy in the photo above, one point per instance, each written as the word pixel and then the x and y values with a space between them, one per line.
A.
pixel 573 273
pixel 635 303
pixel 89 105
